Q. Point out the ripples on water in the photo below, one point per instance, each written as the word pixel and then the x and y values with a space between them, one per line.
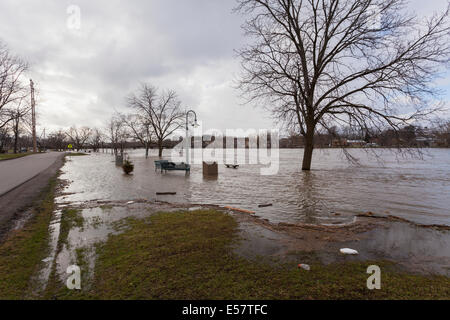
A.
pixel 333 192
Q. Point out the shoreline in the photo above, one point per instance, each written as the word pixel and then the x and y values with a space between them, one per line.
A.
pixel 261 244
pixel 256 242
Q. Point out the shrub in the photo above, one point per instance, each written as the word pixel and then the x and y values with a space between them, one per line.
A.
pixel 128 166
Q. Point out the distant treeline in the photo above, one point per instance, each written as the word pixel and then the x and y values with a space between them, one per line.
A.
pixel 93 139
pixel 409 136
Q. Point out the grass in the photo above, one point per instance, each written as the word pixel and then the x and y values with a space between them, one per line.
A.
pixel 70 218
pixel 22 253
pixel 10 156
pixel 188 255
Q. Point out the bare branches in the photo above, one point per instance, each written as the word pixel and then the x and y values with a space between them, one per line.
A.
pixel 160 113
pixel 12 90
pixel 342 61
pixel 141 129
pixel 96 139
pixel 116 133
pixel 79 136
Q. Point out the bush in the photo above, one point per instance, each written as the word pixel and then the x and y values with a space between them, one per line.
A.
pixel 128 166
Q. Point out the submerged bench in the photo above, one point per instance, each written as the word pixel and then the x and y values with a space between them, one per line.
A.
pixel 158 163
pixel 165 165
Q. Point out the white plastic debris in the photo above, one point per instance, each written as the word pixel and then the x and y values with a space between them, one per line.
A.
pixel 130 202
pixel 348 251
pixel 304 266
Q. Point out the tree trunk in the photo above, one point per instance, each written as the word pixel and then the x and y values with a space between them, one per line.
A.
pixel 146 151
pixel 309 147
pixel 160 150
pixel 15 142
pixel 16 135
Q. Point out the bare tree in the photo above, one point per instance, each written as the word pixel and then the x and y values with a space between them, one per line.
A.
pixel 5 139
pixel 361 63
pixel 96 139
pixel 79 137
pixel 20 118
pixel 12 89
pixel 140 129
pixel 57 140
pixel 116 133
pixel 161 111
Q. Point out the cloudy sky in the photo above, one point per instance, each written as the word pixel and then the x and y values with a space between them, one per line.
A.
pixel 84 74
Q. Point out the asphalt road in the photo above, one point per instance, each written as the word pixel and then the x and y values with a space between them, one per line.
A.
pixel 15 172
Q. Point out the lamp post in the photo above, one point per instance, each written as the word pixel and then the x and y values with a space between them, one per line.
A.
pixel 188 142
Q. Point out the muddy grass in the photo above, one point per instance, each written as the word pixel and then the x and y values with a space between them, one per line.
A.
pixel 22 251
pixel 10 156
pixel 70 218
pixel 190 255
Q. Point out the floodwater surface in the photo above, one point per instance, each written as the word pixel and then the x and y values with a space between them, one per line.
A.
pixel 333 192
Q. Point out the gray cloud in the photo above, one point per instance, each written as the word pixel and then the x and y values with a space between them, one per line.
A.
pixel 84 75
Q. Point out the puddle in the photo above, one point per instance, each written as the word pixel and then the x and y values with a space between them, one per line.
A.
pixel 98 223
pixel 417 249
pixel 257 241
pixel 53 230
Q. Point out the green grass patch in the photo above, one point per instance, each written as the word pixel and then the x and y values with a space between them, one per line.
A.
pixel 188 255
pixel 70 218
pixel 10 156
pixel 106 207
pixel 22 253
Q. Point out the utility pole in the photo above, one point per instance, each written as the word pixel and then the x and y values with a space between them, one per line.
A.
pixel 33 115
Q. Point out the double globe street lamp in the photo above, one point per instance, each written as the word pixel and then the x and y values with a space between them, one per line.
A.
pixel 188 140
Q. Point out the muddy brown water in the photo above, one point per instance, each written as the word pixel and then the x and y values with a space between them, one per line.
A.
pixel 332 193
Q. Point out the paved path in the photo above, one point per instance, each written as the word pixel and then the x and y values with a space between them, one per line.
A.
pixel 17 171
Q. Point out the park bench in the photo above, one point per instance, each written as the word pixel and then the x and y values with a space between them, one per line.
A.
pixel 158 163
pixel 165 166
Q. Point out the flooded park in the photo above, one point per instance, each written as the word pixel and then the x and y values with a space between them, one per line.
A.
pixel 332 193
pixel 241 150
pixel 395 210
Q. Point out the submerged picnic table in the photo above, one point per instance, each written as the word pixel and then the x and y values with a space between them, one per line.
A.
pixel 166 165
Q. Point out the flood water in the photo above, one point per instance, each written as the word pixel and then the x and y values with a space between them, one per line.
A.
pixel 333 192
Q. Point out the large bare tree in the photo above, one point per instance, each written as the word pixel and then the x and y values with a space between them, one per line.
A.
pixel 12 87
pixel 161 110
pixel 358 63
